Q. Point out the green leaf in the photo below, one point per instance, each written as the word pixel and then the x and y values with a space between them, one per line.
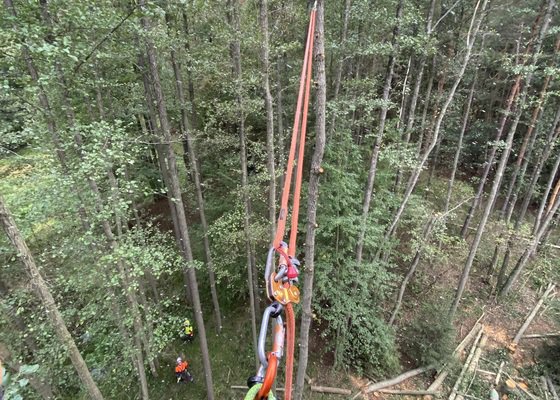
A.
pixel 29 369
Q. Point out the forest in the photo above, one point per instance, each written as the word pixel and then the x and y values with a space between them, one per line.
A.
pixel 279 199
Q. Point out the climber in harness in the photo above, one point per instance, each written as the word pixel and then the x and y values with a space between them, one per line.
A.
pixel 181 372
pixel 187 333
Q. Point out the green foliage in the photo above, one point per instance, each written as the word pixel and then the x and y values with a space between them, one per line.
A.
pixel 430 336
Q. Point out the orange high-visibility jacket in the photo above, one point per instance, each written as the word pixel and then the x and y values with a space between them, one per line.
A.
pixel 181 367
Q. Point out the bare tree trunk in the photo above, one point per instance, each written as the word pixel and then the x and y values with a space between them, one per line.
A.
pixel 499 172
pixel 530 250
pixel 43 293
pixel 519 221
pixel 427 99
pixel 175 191
pixel 340 63
pixel 380 132
pixel 235 52
pixel 490 159
pixel 549 145
pixel 190 147
pixel 313 195
pixel 478 16
pixel 460 144
pixel 547 151
pixel 524 146
pixel 263 19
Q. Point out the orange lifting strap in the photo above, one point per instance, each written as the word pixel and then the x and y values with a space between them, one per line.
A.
pixel 280 287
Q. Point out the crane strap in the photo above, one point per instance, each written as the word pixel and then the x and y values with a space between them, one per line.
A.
pixel 280 284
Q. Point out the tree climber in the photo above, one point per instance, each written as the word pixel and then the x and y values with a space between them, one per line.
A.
pixel 181 372
pixel 187 333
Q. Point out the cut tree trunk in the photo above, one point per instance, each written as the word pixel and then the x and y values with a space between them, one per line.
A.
pixel 531 316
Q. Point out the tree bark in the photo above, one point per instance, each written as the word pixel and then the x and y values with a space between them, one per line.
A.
pixel 460 144
pixel 175 191
pixel 43 293
pixel 313 195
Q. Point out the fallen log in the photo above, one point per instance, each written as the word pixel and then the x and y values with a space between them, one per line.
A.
pixel 410 392
pixel 444 372
pixel 541 335
pixel 544 387
pixel 394 381
pixel 499 374
pixel 332 390
pixel 466 366
pixel 512 347
pixel 552 388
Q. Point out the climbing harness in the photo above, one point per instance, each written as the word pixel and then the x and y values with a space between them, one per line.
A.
pixel 281 282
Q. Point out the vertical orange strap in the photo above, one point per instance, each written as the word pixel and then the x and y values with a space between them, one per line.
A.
pixel 299 174
pixel 281 226
pixel 290 346
pixel 290 318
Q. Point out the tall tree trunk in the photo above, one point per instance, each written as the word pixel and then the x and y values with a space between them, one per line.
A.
pixel 190 148
pixel 43 293
pixel 549 147
pixel 490 159
pixel 427 100
pixel 175 191
pixel 312 199
pixel 499 172
pixel 263 19
pixel 380 132
pixel 235 52
pixel 531 248
pixel 478 16
pixel 460 144
pixel 524 146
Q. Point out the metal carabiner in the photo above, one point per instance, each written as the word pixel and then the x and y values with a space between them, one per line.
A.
pixel 269 363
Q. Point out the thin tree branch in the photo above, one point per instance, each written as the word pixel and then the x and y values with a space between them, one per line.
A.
pixel 107 36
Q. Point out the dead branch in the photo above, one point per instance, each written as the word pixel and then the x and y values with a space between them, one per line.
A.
pixel 410 392
pixel 476 329
pixel 531 316
pixel 394 381
pixel 541 335
pixel 466 366
pixel 552 388
pixel 325 389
